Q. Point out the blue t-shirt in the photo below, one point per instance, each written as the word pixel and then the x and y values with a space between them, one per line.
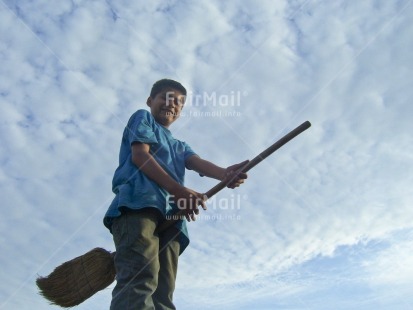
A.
pixel 133 189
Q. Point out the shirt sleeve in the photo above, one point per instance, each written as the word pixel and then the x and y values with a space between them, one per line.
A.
pixel 140 129
pixel 188 152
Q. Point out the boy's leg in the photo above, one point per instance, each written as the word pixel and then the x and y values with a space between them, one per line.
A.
pixel 136 259
pixel 168 259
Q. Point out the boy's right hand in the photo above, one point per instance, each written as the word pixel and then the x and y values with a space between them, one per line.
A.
pixel 188 200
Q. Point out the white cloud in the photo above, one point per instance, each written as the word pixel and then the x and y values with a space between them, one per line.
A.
pixel 392 266
pixel 72 73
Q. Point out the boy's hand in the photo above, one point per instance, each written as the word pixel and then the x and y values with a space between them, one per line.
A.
pixel 234 175
pixel 188 201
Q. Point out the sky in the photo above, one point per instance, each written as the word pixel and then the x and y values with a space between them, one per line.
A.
pixel 326 222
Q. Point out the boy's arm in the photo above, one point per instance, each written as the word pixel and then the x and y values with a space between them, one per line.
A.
pixel 211 170
pixel 205 168
pixel 184 197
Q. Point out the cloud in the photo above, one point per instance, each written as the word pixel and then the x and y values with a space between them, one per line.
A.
pixel 392 265
pixel 323 216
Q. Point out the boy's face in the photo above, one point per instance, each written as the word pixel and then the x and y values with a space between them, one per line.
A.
pixel 166 106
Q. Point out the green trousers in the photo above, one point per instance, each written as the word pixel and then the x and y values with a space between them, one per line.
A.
pixel 146 263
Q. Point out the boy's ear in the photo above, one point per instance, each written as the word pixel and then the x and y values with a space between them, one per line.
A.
pixel 149 101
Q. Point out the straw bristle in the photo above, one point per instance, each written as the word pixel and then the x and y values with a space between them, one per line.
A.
pixel 78 279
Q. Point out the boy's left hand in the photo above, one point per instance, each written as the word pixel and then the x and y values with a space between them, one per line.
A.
pixel 234 175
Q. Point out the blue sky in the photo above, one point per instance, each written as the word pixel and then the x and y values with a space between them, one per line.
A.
pixel 325 223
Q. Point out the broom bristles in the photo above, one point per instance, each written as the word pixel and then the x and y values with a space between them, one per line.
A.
pixel 78 279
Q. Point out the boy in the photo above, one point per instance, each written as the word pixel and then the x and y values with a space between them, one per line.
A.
pixel 149 185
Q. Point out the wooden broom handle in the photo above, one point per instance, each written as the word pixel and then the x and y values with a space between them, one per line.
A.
pixel 252 163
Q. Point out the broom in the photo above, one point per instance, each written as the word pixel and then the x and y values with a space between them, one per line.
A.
pixel 78 279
